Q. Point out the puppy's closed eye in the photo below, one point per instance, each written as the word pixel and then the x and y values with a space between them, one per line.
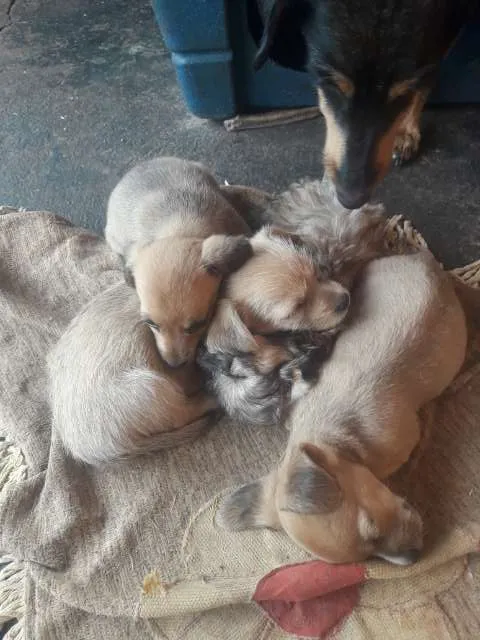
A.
pixel 150 323
pixel 298 306
pixel 195 326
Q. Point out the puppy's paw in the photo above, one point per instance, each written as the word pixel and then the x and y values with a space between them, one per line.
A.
pixel 214 415
pixel 300 386
pixel 406 146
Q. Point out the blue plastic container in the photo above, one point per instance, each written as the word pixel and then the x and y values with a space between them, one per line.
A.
pixel 213 52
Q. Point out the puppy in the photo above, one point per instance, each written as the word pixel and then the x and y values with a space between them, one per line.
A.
pixel 256 367
pixel 178 237
pixel 373 63
pixel 404 344
pixel 257 381
pixel 255 371
pixel 343 241
pixel 111 395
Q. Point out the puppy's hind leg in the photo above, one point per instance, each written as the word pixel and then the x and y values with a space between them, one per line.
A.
pixel 162 416
pixel 408 138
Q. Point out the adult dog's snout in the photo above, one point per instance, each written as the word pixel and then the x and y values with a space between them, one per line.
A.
pixel 352 199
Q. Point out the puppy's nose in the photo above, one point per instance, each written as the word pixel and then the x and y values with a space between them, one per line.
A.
pixel 411 556
pixel 352 199
pixel 174 363
pixel 343 303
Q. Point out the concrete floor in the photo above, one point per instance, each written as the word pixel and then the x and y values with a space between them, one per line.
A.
pixel 87 89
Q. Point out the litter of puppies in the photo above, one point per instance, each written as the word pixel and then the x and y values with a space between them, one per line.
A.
pixel 289 311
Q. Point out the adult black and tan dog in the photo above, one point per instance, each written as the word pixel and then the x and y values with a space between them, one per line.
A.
pixel 373 62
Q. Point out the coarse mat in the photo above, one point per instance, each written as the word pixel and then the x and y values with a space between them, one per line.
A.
pixel 131 550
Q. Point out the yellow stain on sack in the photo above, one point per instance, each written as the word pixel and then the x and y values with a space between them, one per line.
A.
pixel 152 584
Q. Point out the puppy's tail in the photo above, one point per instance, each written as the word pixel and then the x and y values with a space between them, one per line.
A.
pixel 159 415
pixel 173 438
pixel 135 412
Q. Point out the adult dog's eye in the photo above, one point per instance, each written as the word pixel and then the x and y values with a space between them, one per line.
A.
pixel 193 327
pixel 334 83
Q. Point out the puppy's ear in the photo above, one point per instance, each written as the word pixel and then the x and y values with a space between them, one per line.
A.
pixel 310 488
pixel 269 234
pixel 128 274
pixel 222 255
pixel 287 236
pixel 249 507
pixel 129 277
pixel 282 37
pixel 227 333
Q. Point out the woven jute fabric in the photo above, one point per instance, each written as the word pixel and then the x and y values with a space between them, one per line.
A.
pixel 131 550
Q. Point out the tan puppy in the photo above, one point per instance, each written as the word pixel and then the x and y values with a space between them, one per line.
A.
pixel 404 344
pixel 254 372
pixel 283 287
pixel 179 237
pixel 298 281
pixel 110 393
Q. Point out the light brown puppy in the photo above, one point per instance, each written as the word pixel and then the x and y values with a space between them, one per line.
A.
pixel 280 288
pixel 178 237
pixel 110 393
pixel 403 345
pixel 307 270
pixel 284 288
pixel 254 372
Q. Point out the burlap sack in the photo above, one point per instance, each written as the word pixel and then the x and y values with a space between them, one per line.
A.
pixel 132 551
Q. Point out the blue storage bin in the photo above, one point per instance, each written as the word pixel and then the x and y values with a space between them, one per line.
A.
pixel 212 51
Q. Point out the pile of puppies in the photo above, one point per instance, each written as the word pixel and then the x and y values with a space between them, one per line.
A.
pixel 307 319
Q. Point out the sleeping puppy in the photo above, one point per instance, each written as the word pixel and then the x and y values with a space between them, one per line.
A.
pixel 257 378
pixel 178 237
pixel 261 358
pixel 260 345
pixel 404 344
pixel 344 240
pixel 111 395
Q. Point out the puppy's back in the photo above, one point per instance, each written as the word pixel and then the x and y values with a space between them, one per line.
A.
pixel 404 344
pixel 403 308
pixel 107 392
pixel 168 196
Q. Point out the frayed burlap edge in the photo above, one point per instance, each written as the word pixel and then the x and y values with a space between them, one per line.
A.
pixel 13 468
pixel 12 573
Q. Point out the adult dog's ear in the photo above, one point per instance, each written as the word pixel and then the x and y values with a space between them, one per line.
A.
pixel 222 255
pixel 310 487
pixel 249 507
pixel 278 30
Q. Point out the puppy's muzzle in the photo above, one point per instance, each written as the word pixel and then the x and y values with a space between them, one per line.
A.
pixel 175 363
pixel 405 558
